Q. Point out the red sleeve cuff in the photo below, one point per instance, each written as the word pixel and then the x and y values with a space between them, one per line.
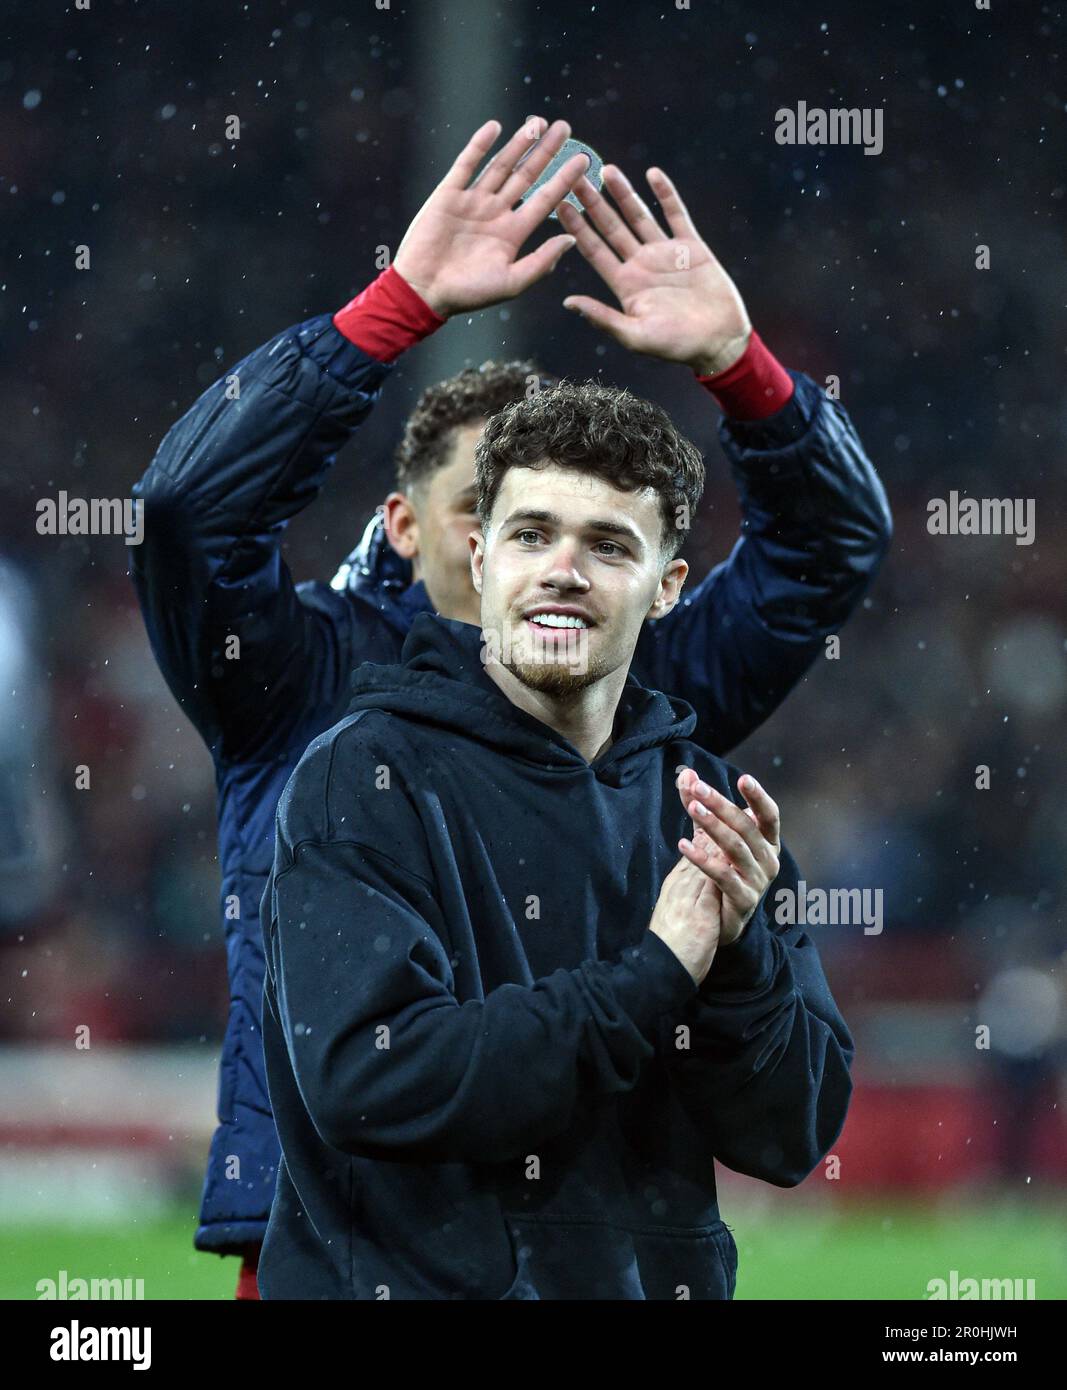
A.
pixel 247 1281
pixel 387 317
pixel 757 385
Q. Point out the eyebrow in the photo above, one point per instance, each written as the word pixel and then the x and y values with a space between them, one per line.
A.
pixel 617 528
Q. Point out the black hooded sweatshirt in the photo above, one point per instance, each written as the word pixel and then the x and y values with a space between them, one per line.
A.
pixel 490 1079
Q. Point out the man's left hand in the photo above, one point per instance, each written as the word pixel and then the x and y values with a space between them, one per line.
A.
pixel 678 303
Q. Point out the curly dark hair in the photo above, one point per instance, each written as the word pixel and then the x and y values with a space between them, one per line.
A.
pixel 627 441
pixel 474 393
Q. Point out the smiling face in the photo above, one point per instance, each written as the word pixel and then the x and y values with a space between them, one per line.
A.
pixel 569 571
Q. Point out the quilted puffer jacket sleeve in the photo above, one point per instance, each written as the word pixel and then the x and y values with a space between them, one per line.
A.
pixel 815 528
pixel 246 652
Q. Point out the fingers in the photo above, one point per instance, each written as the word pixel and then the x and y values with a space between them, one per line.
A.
pixel 606 220
pixel 722 873
pixel 601 316
pixel 744 839
pixel 538 264
pixel 689 784
pixel 541 148
pixel 540 204
pixel 472 154
pixel 633 208
pixel 595 250
pixel 686 780
pixel 738 846
pixel 733 848
pixel 500 168
pixel 764 809
pixel 674 210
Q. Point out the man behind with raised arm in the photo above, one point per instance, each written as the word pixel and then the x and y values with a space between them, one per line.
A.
pixel 507 1028
pixel 261 665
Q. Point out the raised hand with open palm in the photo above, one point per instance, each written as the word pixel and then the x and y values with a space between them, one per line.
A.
pixel 461 251
pixel 676 300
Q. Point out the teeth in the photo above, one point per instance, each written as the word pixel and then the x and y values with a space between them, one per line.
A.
pixel 558 620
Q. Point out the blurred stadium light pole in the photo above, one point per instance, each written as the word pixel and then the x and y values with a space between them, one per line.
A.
pixel 465 75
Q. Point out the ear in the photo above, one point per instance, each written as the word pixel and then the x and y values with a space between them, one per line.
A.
pixel 669 591
pixel 476 541
pixel 401 527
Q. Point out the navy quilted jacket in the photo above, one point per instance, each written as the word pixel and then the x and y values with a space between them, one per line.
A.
pixel 244 460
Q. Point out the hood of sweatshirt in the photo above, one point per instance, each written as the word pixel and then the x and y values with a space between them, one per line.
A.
pixel 441 681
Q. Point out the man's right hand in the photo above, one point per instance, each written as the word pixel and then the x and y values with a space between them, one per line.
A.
pixel 460 251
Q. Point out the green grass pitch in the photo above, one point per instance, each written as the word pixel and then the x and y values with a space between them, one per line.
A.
pixel 851 1252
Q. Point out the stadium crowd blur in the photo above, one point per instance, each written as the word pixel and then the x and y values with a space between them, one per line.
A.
pixel 852 266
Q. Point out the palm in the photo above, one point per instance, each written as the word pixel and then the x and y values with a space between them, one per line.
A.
pixel 473 247
pixel 461 252
pixel 670 292
pixel 676 301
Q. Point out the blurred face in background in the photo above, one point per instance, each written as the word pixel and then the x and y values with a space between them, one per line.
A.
pixel 430 526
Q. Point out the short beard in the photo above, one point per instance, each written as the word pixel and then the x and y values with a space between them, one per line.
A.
pixel 555 679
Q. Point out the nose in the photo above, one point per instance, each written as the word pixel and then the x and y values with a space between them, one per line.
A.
pixel 562 569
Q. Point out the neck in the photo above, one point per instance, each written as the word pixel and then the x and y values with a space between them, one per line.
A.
pixel 466 609
pixel 584 719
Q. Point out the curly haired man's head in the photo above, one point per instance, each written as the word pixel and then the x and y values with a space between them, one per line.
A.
pixel 584 498
pixel 468 434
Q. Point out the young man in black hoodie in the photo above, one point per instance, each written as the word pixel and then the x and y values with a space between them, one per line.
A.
pixel 261 665
pixel 524 978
